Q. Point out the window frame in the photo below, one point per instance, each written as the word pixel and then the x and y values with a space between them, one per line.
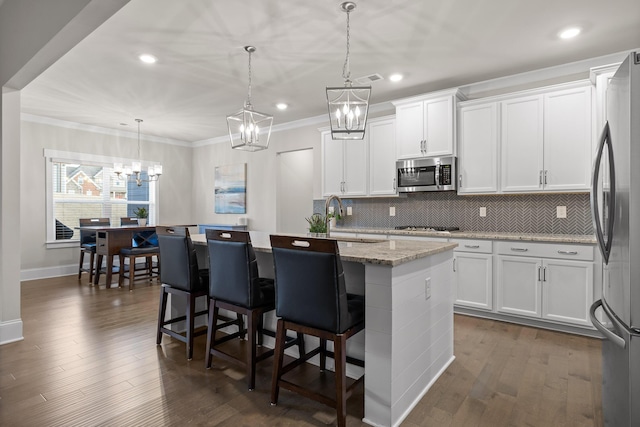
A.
pixel 53 156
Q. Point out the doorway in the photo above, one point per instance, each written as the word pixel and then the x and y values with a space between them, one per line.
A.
pixel 294 192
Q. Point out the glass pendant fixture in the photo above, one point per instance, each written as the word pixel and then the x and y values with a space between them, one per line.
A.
pixel 133 172
pixel 348 105
pixel 249 130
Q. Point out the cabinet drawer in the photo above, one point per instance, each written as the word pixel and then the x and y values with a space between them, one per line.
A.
pixel 479 246
pixel 546 250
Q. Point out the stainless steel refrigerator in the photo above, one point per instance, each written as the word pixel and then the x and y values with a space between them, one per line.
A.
pixel 615 202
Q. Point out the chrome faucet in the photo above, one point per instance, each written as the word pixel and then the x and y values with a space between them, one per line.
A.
pixel 326 210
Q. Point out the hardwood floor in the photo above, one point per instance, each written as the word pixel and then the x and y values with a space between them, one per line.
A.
pixel 89 358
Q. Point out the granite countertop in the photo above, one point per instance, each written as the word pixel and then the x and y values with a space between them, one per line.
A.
pixel 489 235
pixel 387 252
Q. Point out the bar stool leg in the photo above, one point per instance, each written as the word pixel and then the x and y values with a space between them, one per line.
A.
pixel 191 314
pixel 211 330
pixel 161 313
pixel 339 349
pixel 323 354
pixel 277 361
pixel 252 324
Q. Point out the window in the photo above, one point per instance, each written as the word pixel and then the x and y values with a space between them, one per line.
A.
pixel 84 186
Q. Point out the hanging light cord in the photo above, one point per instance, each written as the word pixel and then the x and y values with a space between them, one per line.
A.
pixel 249 89
pixel 346 73
pixel 138 120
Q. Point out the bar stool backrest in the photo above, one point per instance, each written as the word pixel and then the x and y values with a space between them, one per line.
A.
pixel 89 236
pixel 310 286
pixel 178 260
pixel 233 268
pixel 125 220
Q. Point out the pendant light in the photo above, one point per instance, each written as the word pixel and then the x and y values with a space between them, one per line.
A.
pixel 251 129
pixel 348 105
pixel 133 172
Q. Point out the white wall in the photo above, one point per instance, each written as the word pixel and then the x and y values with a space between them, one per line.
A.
pixel 261 177
pixel 175 196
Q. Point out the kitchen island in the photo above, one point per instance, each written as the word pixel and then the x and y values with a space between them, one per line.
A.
pixel 408 336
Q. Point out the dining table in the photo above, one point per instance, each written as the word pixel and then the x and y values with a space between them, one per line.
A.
pixel 109 242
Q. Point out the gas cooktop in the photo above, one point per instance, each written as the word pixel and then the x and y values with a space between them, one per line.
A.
pixel 425 228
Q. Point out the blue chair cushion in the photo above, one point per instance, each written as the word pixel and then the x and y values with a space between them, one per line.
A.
pixel 140 251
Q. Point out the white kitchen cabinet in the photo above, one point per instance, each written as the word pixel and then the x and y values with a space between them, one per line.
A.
pixel 478 149
pixel 381 136
pixel 541 282
pixel 473 272
pixel 567 291
pixel 425 126
pixel 518 286
pixel 522 144
pixel 546 141
pixel 344 166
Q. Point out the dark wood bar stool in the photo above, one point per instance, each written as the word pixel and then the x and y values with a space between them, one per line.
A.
pixel 180 276
pixel 311 298
pixel 235 285
pixel 88 244
pixel 144 245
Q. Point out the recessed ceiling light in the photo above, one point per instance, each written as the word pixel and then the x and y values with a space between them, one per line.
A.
pixel 395 77
pixel 281 106
pixel 147 59
pixel 569 33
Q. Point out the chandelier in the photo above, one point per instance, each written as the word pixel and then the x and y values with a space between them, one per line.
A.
pixel 252 129
pixel 133 172
pixel 348 105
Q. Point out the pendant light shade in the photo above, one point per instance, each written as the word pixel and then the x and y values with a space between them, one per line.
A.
pixel 348 105
pixel 249 130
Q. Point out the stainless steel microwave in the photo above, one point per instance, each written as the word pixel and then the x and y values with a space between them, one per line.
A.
pixel 427 174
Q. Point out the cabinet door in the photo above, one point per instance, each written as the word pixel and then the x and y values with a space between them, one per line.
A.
pixel 382 156
pixel 356 168
pixel 567 291
pixel 409 130
pixel 474 280
pixel 521 144
pixel 438 127
pixel 518 286
pixel 567 139
pixel 478 149
pixel 332 165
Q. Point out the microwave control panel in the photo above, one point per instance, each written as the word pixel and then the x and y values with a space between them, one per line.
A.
pixel 445 175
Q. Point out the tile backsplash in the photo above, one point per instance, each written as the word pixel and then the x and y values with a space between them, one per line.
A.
pixel 523 213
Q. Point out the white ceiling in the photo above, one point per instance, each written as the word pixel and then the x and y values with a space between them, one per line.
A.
pixel 201 75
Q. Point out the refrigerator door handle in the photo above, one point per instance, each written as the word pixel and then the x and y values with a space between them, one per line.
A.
pixel 608 334
pixel 605 245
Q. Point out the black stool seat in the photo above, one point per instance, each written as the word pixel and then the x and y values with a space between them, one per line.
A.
pixel 311 299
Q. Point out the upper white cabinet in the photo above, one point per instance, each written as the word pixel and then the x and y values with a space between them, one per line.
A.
pixel 366 167
pixel 425 126
pixel 478 149
pixel 382 154
pixel 546 141
pixel 344 166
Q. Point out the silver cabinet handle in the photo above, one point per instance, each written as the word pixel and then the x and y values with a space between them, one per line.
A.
pixel 568 252
pixel 460 180
pixel 545 177
pixel 519 249
pixel 539 274
pixel 394 184
pixel 540 178
pixel 454 264
pixel 544 274
pixel 472 246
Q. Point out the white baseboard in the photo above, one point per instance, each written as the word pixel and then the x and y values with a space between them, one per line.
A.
pixel 11 331
pixel 46 272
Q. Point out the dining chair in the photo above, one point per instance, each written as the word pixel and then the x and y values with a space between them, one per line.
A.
pixel 88 244
pixel 144 245
pixel 235 285
pixel 311 298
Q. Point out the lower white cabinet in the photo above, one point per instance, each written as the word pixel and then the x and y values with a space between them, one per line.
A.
pixel 551 288
pixel 473 274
